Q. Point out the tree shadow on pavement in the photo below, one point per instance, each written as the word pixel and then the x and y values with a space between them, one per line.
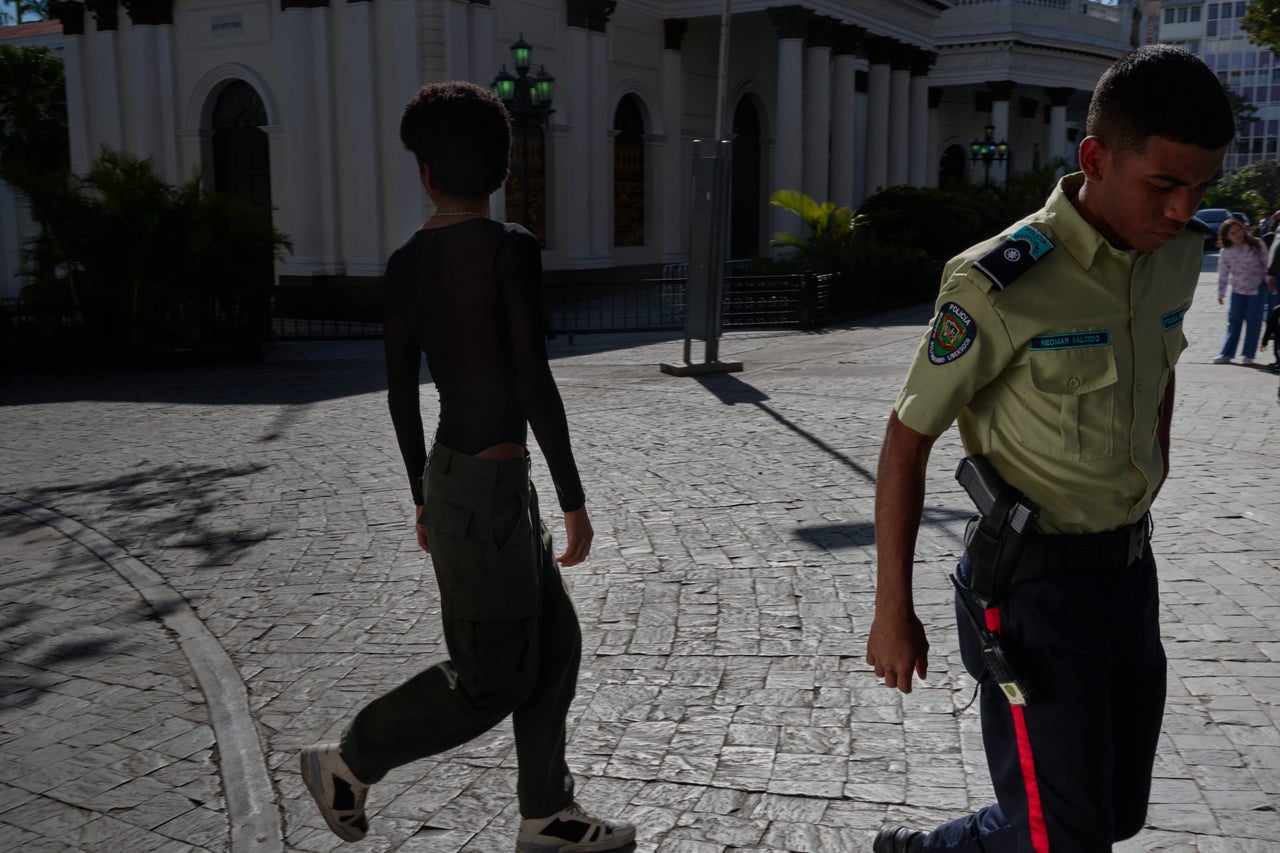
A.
pixel 168 506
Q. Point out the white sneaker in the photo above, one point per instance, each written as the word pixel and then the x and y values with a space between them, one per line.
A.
pixel 572 830
pixel 1246 361
pixel 336 790
pixel 1222 359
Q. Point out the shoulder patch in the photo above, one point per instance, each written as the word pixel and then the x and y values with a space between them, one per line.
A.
pixel 1016 254
pixel 954 332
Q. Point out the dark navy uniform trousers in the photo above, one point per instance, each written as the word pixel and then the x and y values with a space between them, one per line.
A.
pixel 1071 770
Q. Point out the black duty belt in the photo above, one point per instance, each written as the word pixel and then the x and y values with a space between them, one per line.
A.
pixel 1077 552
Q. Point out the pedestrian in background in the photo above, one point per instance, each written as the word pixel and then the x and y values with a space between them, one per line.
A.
pixel 466 290
pixel 1053 347
pixel 1242 268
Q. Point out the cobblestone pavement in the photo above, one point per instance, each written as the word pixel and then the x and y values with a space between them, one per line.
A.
pixel 724 704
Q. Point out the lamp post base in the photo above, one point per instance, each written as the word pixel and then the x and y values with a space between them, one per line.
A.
pixel 702 369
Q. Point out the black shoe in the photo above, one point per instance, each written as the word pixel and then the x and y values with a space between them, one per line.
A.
pixel 898 839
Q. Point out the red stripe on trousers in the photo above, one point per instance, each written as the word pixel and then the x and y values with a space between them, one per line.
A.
pixel 1035 811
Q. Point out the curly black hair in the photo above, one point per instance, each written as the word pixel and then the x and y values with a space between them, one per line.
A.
pixel 1160 90
pixel 463 132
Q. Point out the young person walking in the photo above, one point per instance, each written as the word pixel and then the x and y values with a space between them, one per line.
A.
pixel 466 290
pixel 1242 269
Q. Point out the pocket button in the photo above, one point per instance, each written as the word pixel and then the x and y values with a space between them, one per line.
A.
pixel 1073 382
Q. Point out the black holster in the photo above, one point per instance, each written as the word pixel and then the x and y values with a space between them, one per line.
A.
pixel 995 550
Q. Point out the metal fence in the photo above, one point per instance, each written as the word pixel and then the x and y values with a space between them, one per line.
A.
pixel 333 312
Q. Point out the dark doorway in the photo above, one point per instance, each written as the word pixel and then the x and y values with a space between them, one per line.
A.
pixel 952 169
pixel 628 173
pixel 744 215
pixel 241 155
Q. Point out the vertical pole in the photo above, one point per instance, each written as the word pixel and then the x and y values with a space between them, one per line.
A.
pixel 722 76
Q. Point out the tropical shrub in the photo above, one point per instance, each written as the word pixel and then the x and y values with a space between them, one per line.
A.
pixel 149 266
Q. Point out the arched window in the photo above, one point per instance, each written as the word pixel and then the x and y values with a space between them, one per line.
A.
pixel 241 154
pixel 526 187
pixel 744 216
pixel 628 173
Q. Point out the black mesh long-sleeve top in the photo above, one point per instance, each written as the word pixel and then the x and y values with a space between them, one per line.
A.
pixel 469 295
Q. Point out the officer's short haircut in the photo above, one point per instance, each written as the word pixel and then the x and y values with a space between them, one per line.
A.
pixel 463 132
pixel 1160 90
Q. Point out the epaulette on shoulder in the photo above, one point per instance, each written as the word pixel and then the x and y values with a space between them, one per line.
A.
pixel 1015 254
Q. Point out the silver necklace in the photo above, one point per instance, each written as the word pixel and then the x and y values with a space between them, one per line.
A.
pixel 459 213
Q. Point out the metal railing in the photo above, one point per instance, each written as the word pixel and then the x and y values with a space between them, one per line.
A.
pixel 336 312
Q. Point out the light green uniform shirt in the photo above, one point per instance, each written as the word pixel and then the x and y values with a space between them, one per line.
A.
pixel 1056 374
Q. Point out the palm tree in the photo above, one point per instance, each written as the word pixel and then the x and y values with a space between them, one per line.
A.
pixel 831 231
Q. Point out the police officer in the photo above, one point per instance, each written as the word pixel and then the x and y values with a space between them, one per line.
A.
pixel 1054 347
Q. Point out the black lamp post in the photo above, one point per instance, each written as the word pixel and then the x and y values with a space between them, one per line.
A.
pixel 988 150
pixel 528 100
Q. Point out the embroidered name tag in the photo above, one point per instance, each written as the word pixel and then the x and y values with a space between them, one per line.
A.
pixel 1016 254
pixel 1072 340
pixel 1173 318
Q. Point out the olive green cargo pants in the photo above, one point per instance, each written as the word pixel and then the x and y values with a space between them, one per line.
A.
pixel 511 630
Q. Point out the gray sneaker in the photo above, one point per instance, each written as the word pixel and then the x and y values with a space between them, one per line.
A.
pixel 336 790
pixel 573 830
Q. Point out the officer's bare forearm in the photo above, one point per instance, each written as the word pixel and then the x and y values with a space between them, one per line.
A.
pixel 900 480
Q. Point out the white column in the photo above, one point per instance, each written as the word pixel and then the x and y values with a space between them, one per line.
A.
pixel 817 121
pixel 359 128
pixel 843 125
pixel 78 132
pixel 899 125
pixel 573 186
pixel 789 115
pixel 457 40
pixel 107 97
pixel 672 198
pixel 168 104
pixel 918 167
pixel 935 143
pixel 861 112
pixel 483 68
pixel 601 169
pixel 406 201
pixel 301 201
pixel 1000 119
pixel 141 91
pixel 1057 147
pixel 326 143
pixel 877 127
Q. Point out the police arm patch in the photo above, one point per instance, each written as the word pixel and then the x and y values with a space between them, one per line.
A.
pixel 1016 254
pixel 954 332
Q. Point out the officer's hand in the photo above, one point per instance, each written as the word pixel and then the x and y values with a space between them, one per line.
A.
pixel 578 535
pixel 896 647
pixel 1219 300
pixel 420 529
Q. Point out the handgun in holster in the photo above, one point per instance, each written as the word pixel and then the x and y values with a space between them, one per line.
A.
pixel 994 540
pixel 995 537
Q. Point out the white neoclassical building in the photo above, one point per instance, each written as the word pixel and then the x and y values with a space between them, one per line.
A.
pixel 295 104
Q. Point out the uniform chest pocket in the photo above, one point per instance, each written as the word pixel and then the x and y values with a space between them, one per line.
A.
pixel 1073 414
